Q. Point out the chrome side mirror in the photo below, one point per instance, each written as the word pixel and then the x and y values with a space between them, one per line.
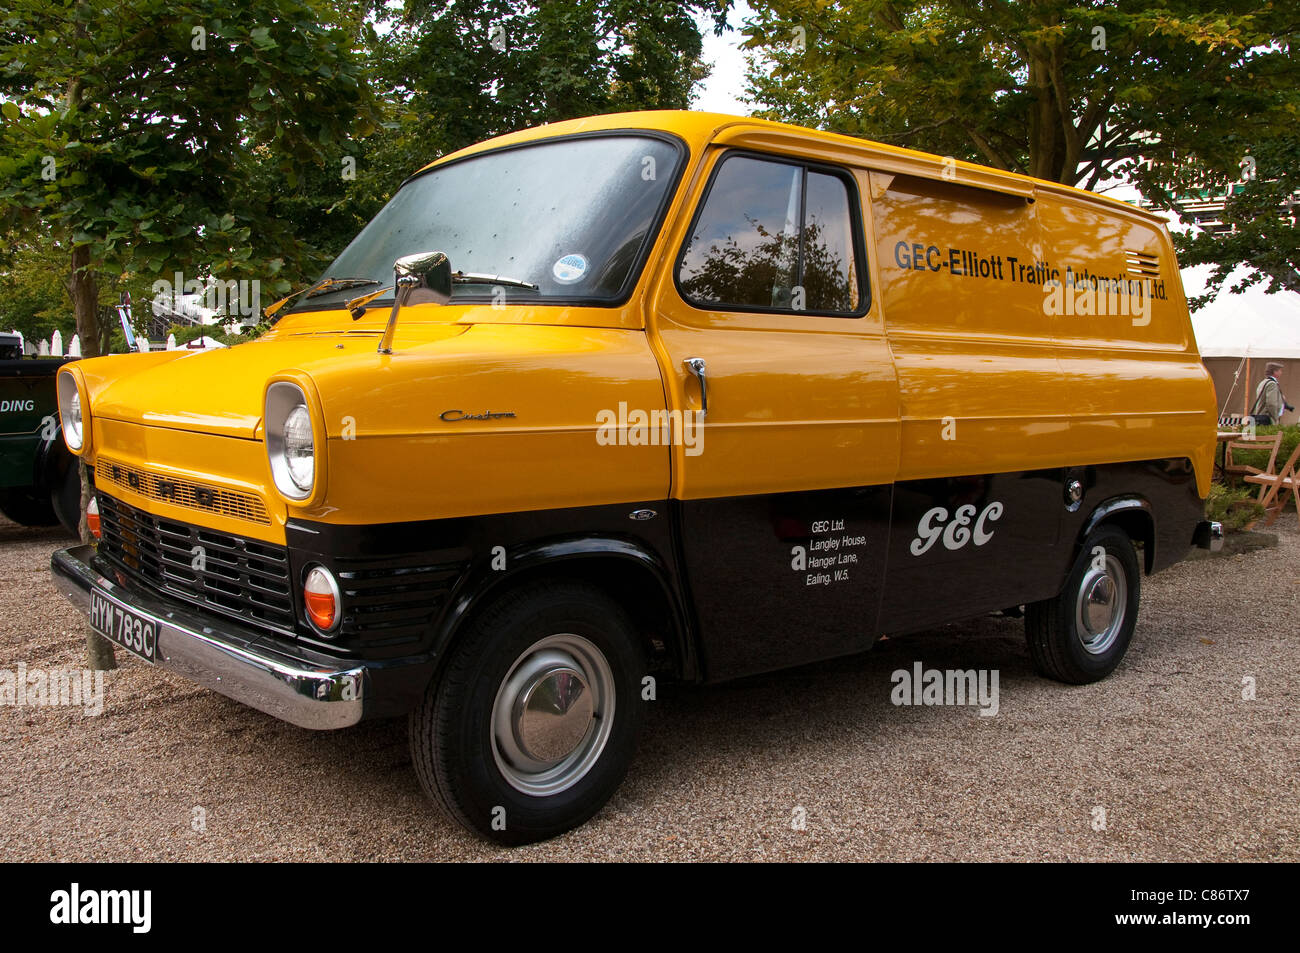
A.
pixel 422 278
pixel 426 275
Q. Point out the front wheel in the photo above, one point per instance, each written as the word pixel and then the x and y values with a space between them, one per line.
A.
pixel 1083 634
pixel 533 721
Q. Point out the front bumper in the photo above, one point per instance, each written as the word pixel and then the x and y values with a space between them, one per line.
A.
pixel 236 661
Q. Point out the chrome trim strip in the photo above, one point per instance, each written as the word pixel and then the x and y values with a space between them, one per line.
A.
pixel 184 491
pixel 235 661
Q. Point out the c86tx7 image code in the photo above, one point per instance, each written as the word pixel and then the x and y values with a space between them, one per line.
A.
pixel 1165 896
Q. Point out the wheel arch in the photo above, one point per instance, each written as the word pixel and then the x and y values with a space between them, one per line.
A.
pixel 1131 513
pixel 52 459
pixel 629 572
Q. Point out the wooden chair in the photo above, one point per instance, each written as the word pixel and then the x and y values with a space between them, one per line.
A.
pixel 1273 487
pixel 1270 442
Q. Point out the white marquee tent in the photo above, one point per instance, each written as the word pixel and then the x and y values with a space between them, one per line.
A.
pixel 1252 324
pixel 1238 334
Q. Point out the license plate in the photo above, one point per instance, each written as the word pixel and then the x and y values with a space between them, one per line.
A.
pixel 135 632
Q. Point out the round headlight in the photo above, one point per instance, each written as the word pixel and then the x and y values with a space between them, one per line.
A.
pixel 299 448
pixel 290 441
pixel 74 433
pixel 72 426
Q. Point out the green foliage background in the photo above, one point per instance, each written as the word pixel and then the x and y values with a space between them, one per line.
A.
pixel 1165 93
pixel 261 155
pixel 1236 507
pixel 1236 504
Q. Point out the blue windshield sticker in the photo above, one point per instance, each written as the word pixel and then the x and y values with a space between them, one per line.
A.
pixel 569 269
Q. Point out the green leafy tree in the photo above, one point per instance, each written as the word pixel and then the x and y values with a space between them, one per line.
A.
pixel 129 138
pixel 1065 90
pixel 35 291
pixel 469 70
pixel 1261 214
pixel 128 132
pixel 453 72
pixel 33 288
pixel 1167 94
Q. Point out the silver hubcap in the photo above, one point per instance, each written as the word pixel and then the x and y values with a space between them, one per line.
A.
pixel 552 715
pixel 1100 610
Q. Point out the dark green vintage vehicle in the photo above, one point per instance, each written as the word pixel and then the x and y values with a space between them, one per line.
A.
pixel 39 482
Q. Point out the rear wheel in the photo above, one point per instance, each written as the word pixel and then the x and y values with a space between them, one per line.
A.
pixel 1084 633
pixel 532 724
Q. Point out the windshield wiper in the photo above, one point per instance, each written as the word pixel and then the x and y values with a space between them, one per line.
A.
pixel 358 305
pixel 319 288
pixel 338 284
pixel 470 278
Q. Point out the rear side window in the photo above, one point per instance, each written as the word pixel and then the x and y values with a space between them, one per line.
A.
pixel 774 236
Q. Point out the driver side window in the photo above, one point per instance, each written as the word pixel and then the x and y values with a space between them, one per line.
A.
pixel 773 236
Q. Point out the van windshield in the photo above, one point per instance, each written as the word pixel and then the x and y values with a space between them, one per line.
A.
pixel 572 216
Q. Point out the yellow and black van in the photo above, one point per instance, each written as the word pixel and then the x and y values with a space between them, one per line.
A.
pixel 645 396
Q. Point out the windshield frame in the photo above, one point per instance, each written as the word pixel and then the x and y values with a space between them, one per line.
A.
pixel 513 295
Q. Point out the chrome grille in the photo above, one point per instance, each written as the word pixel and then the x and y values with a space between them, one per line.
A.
pixel 238 577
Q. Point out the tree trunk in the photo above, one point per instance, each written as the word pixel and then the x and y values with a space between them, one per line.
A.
pixel 1045 160
pixel 85 301
pixel 85 304
pixel 99 651
pixel 100 656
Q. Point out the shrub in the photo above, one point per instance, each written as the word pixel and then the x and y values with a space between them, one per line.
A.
pixel 1257 458
pixel 1234 506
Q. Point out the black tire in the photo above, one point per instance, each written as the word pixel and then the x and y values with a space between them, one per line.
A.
pixel 65 498
pixel 27 508
pixel 1061 643
pixel 464 764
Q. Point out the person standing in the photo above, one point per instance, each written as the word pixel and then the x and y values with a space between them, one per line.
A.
pixel 1269 402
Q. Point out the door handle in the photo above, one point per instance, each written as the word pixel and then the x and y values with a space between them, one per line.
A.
pixel 696 366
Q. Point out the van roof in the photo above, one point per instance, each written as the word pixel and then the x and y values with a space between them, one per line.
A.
pixel 700 128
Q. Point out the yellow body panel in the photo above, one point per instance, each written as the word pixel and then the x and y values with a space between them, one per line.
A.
pixel 406 462
pixel 796 402
pixel 221 464
pixel 944 375
pixel 990 379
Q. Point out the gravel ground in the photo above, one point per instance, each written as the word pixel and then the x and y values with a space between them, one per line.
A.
pixel 1182 766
